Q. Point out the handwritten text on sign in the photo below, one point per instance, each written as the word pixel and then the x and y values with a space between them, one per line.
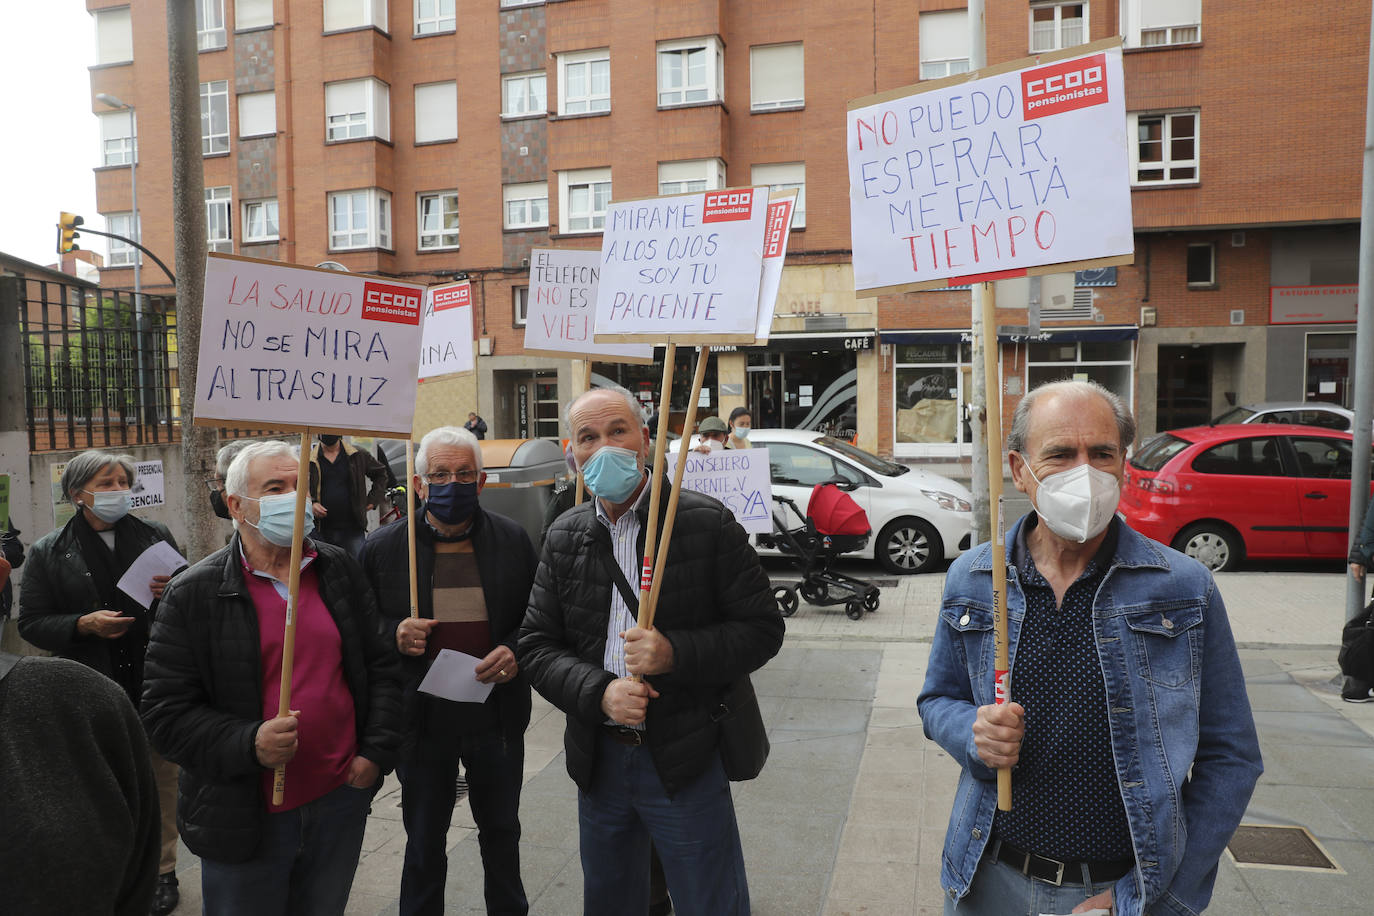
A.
pixel 562 297
pixel 299 347
pixel 687 265
pixel 446 345
pixel 1015 170
pixel 740 479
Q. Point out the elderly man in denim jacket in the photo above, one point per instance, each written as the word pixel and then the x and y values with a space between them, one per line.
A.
pixel 1129 732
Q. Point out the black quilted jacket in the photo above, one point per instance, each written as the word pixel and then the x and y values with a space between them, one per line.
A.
pixel 715 608
pixel 202 691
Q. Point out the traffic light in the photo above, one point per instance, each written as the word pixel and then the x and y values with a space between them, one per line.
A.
pixel 67 234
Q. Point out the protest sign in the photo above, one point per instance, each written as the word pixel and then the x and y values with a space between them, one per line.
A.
pixel 777 230
pixel 446 337
pixel 685 268
pixel 738 478
pixel 149 489
pixel 562 300
pixel 295 347
pixel 977 177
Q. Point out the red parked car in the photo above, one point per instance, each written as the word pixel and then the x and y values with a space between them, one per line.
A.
pixel 1225 493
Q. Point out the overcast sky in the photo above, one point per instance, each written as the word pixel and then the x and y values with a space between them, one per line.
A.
pixel 52 143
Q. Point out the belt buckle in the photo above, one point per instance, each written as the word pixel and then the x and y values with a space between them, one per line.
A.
pixel 1057 880
pixel 1059 876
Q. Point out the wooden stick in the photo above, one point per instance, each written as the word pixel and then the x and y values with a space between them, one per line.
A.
pixel 410 527
pixel 293 590
pixel 586 386
pixel 646 612
pixel 651 533
pixel 1001 662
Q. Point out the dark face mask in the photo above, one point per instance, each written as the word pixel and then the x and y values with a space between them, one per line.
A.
pixel 452 503
pixel 329 441
pixel 218 504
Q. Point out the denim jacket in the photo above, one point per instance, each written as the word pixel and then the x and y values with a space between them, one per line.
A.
pixel 1187 756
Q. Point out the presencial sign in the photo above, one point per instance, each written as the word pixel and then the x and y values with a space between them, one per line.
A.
pixel 738 478
pixel 562 307
pixel 992 174
pixel 289 347
pixel 149 487
pixel 446 336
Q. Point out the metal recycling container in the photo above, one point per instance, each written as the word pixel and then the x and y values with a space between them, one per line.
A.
pixel 520 479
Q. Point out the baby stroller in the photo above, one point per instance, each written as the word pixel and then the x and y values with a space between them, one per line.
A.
pixel 836 525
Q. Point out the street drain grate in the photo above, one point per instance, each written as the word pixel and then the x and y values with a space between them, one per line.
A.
pixel 1265 846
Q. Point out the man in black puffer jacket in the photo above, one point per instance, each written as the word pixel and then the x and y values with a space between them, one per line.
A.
pixel 645 754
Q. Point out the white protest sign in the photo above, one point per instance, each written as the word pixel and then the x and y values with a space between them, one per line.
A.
pixel 1022 168
pixel 685 268
pixel 562 300
pixel 738 478
pixel 446 338
pixel 777 230
pixel 149 488
pixel 293 347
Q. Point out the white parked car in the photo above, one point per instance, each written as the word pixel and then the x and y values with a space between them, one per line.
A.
pixel 1303 413
pixel 918 518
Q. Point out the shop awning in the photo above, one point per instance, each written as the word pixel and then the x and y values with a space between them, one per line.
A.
pixel 1062 335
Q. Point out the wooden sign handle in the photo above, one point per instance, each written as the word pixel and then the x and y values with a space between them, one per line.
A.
pixel 293 590
pixel 410 527
pixel 656 483
pixel 586 386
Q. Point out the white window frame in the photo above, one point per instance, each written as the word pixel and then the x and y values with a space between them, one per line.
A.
pixel 342 15
pixel 935 65
pixel 375 233
pixel 524 83
pixel 114 35
pixel 1152 24
pixel 267 209
pixel 687 176
pixel 1166 164
pixel 574 183
pixel 781 176
pixel 121 253
pixel 342 122
pixel 436 239
pixel 520 305
pixel 252 14
pixel 118 138
pixel 673 56
pixel 507 3
pixel 1211 281
pixel 257 106
pixel 591 102
pixel 440 97
pixel 210 32
pixel 443 18
pixel 533 197
pixel 1056 30
pixel 1078 365
pixel 219 200
pixel 212 93
pixel 759 61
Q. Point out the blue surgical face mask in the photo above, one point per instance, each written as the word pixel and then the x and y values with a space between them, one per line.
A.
pixel 741 432
pixel 277 518
pixel 452 503
pixel 109 505
pixel 612 473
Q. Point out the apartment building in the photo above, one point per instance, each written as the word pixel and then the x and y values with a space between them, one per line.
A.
pixel 436 138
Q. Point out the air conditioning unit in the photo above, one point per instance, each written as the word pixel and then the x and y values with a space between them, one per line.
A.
pixel 484 346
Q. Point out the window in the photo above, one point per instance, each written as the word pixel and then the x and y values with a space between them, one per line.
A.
pixel 584 82
pixel 527 205
pixel 252 14
pixel 1161 22
pixel 354 14
pixel 433 16
pixel 933 382
pixel 214 117
pixel 117 138
pixel 210 34
pixel 360 219
pixel 801 465
pixel 438 220
pixel 584 194
pixel 122 254
pixel 260 220
pixel 219 224
pixel 1258 457
pixel 1202 267
pixel 114 36
pixel 690 71
pixel 1166 148
pixel 943 45
pixel 1323 458
pixel 524 94
pixel 783 176
pixel 520 304
pixel 1107 362
pixel 257 114
pixel 436 112
pixel 357 108
pixel 1056 25
pixel 691 175
pixel 776 77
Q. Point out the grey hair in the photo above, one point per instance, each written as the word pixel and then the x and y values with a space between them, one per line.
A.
pixel 89 463
pixel 1020 421
pixel 225 456
pixel 455 436
pixel 236 478
pixel 636 410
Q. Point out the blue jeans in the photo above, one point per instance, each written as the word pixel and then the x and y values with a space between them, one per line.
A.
pixel 304 865
pixel 998 889
pixel 495 763
pixel 694 832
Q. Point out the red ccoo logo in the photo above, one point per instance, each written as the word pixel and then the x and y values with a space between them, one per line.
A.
pixel 1065 86
pixel 453 297
pixel 728 206
pixel 384 302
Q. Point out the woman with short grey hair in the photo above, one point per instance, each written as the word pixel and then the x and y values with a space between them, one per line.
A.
pixel 70 602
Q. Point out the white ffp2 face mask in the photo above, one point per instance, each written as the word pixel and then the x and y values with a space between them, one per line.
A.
pixel 1077 504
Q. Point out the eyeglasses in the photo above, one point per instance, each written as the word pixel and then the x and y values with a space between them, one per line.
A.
pixel 214 484
pixel 439 478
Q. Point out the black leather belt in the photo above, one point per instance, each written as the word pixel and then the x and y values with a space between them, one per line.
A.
pixel 623 734
pixel 1053 871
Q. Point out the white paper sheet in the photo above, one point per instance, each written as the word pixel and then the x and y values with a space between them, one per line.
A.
pixel 453 676
pixel 161 559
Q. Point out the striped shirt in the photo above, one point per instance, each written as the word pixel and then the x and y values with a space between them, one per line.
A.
pixel 624 544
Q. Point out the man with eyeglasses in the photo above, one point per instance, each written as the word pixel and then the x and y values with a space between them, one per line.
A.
pixel 474 569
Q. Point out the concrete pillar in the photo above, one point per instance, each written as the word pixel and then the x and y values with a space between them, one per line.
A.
pixel 731 370
pixel 866 406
